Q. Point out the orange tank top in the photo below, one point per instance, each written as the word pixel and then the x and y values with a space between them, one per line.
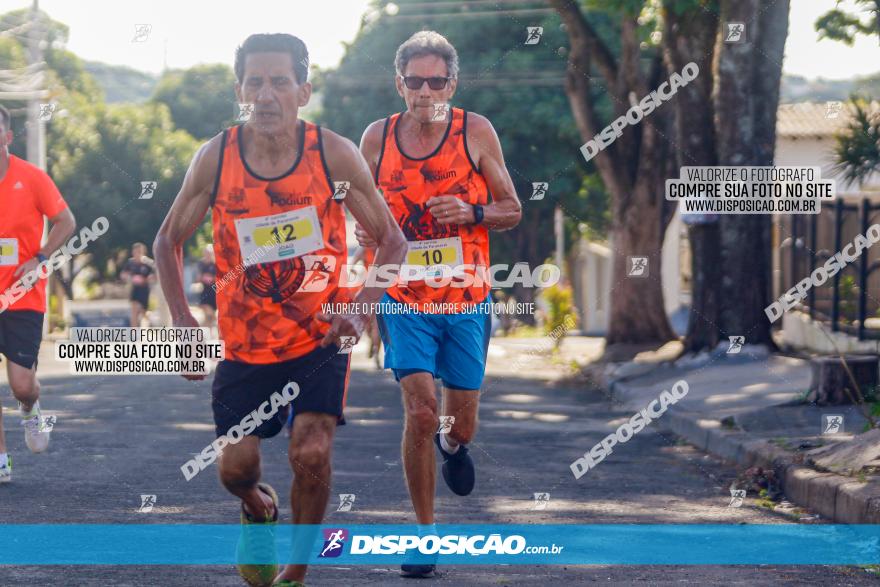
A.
pixel 407 184
pixel 280 245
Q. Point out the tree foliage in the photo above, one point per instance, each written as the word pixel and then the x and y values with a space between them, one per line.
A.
pixel 98 154
pixel 857 150
pixel 843 26
pixel 201 99
pixel 516 86
pixel 128 144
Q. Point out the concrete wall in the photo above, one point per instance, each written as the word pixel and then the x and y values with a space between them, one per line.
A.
pixel 799 332
pixel 591 282
pixel 591 265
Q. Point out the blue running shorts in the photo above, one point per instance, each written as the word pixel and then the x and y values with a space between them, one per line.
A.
pixel 451 347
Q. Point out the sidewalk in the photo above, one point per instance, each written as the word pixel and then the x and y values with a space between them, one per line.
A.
pixel 748 409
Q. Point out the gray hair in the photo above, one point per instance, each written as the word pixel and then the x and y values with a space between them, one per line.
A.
pixel 427 43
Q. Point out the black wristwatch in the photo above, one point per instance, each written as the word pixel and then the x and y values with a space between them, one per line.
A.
pixel 41 257
pixel 478 214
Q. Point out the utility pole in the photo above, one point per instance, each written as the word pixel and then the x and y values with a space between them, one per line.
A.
pixel 559 233
pixel 36 129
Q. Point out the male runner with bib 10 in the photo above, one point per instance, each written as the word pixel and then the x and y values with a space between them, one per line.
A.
pixel 436 167
pixel 277 233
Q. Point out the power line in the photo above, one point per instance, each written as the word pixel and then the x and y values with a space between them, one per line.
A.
pixel 465 4
pixel 466 15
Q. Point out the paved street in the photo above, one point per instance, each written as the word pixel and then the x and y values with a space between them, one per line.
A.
pixel 120 437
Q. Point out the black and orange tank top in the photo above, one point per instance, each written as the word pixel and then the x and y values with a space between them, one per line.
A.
pixel 407 184
pixel 280 246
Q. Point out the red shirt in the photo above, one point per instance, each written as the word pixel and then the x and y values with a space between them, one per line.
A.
pixel 27 194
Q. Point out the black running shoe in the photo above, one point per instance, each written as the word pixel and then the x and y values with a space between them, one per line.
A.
pixel 458 469
pixel 417 571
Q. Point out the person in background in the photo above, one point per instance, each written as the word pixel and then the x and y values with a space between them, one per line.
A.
pixel 207 277
pixel 140 272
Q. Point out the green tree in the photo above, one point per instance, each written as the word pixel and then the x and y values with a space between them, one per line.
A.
pixel 843 26
pixel 857 150
pixel 55 33
pixel 514 85
pixel 623 62
pixel 725 116
pixel 857 153
pixel 129 144
pixel 121 83
pixel 201 98
pixel 98 155
pixel 12 54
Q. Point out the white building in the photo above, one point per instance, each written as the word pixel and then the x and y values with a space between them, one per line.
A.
pixel 805 136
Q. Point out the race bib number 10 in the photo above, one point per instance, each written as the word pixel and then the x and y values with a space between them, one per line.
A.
pixel 266 239
pixel 435 254
pixel 8 251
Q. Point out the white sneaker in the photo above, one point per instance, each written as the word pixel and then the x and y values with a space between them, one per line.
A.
pixel 36 433
pixel 6 470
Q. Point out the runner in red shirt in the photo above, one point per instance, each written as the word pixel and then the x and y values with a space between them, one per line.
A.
pixel 27 194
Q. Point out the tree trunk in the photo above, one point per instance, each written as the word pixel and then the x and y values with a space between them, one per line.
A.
pixel 704 317
pixel 689 36
pixel 633 169
pixel 830 379
pixel 633 321
pixel 746 118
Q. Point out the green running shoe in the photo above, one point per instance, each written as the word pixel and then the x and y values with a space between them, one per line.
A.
pixel 258 544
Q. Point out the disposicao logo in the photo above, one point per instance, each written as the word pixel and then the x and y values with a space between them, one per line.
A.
pixel 334 541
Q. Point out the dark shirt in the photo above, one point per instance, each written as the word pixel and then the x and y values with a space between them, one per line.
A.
pixel 139 273
pixel 207 273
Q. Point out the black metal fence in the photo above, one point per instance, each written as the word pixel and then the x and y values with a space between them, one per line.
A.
pixel 847 300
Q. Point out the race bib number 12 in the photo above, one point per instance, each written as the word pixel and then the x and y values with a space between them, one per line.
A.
pixel 266 239
pixel 8 251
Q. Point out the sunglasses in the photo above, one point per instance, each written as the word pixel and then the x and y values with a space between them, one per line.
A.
pixel 415 82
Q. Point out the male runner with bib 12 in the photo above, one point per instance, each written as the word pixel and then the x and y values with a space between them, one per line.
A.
pixel 269 186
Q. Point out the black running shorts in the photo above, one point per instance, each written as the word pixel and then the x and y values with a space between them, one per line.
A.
pixel 240 388
pixel 208 297
pixel 20 334
pixel 141 295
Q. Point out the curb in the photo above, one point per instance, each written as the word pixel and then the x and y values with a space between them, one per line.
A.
pixel 845 500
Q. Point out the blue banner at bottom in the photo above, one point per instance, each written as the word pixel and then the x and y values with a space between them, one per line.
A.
pixel 452 544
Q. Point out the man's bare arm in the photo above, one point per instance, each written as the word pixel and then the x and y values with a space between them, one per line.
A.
pixel 505 211
pixel 371 148
pixel 63 225
pixel 184 217
pixel 368 208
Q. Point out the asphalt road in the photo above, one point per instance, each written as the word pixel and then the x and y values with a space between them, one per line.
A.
pixel 119 437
